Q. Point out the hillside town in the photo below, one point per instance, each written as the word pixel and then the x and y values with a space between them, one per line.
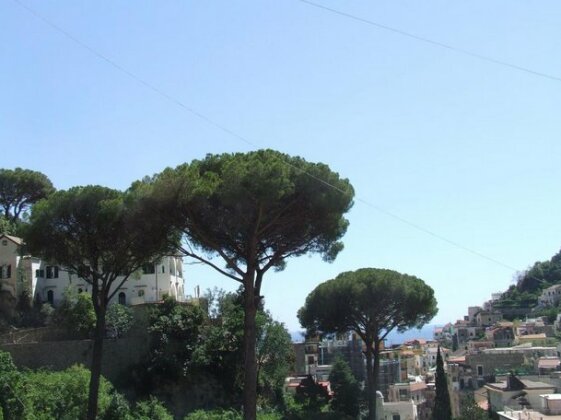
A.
pixel 511 368
pixel 501 359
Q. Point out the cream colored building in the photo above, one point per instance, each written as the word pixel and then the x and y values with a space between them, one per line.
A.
pixel 47 282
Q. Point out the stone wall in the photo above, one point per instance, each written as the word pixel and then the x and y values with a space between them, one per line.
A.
pixel 489 362
pixel 118 355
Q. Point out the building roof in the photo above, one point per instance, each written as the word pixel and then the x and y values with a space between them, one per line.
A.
pixel 417 386
pixel 548 362
pixel 14 239
pixel 518 384
pixel 457 359
pixel 539 336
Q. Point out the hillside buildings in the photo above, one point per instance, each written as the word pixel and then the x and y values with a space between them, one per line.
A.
pixel 46 281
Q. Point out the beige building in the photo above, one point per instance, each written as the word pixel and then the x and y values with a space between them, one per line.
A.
pixel 550 409
pixel 517 392
pixel 47 281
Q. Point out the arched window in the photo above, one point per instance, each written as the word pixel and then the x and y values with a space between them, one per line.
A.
pixel 50 297
pixel 122 298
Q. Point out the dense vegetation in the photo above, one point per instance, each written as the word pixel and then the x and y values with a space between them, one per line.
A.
pixel 63 395
pixel 193 348
pixel 530 284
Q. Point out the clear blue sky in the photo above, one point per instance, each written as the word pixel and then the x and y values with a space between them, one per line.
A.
pixel 462 147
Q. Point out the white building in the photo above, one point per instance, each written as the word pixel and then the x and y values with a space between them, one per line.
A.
pixel 401 410
pixel 550 296
pixel 47 282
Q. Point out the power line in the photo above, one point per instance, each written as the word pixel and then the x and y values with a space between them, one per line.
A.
pixel 132 75
pixel 439 44
pixel 227 130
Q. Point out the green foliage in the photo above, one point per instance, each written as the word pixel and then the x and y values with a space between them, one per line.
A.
pixel 230 415
pixel 442 406
pixel 549 313
pixel 119 320
pixel 7 226
pixel 254 210
pixel 345 388
pixel 311 395
pixel 151 409
pixel 175 332
pixel 225 202
pixel 275 358
pixel 541 275
pixel 118 408
pixel 20 189
pixel 46 395
pixel 530 284
pixel 9 380
pixel 345 304
pixel 338 305
pixel 103 234
pixel 76 313
pixel 188 345
pixel 221 347
pixel 469 410
pixel 214 415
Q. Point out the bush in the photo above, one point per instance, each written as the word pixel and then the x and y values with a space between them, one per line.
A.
pixel 214 415
pixel 118 409
pixel 119 320
pixel 76 313
pixel 151 409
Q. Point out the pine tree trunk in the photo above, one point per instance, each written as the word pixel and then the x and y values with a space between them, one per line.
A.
pixel 376 375
pixel 99 335
pixel 370 383
pixel 250 361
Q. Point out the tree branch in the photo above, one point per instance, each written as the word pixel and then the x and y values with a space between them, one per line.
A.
pixel 207 262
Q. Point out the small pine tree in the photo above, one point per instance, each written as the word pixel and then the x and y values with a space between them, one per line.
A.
pixel 442 407
pixel 345 389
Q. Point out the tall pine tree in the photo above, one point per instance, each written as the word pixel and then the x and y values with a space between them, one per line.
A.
pixel 442 407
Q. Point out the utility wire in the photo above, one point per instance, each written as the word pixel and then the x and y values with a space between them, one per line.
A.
pixel 433 42
pixel 132 75
pixel 227 130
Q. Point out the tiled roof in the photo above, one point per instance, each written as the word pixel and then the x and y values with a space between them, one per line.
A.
pixel 417 386
pixel 548 363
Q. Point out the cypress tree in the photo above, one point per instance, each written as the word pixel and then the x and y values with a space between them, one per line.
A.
pixel 442 408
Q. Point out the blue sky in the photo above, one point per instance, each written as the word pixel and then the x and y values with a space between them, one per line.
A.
pixel 463 148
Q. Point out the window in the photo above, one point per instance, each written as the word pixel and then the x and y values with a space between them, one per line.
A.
pixel 148 269
pixel 40 273
pixel 141 293
pixel 479 370
pixel 122 298
pixel 171 267
pixel 396 417
pixel 50 297
pixel 52 271
pixel 163 268
pixel 6 271
pixel 4 242
pixel 80 290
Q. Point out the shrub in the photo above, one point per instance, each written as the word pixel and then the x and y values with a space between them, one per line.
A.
pixel 151 409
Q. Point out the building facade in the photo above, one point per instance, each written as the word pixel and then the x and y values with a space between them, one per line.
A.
pixel 48 282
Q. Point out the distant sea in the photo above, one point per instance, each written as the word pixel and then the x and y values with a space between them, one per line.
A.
pixel 427 333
